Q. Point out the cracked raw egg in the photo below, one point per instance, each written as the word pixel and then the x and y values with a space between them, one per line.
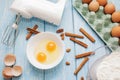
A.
pixel 51 46
pixel 41 57
pixel 47 52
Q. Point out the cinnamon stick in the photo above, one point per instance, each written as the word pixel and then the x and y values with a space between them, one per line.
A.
pixel 33 31
pixel 60 30
pixel 30 33
pixel 87 35
pixel 68 50
pixel 62 35
pixel 81 65
pixel 73 35
pixel 79 42
pixel 83 55
pixel 67 63
pixel 82 78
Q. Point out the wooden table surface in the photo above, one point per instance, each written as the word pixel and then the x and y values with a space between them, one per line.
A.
pixel 71 22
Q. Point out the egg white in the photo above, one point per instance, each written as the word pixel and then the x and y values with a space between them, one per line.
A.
pixel 51 56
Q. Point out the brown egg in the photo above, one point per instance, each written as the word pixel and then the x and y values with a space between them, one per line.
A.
pixel 17 71
pixel 102 2
pixel 109 8
pixel 86 1
pixel 116 16
pixel 116 31
pixel 94 6
pixel 9 60
pixel 7 72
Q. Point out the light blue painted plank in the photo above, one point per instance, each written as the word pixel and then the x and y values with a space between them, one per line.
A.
pixel 29 72
pixel 3 51
pixel 91 46
pixel 79 22
pixel 63 72
pixel 5 18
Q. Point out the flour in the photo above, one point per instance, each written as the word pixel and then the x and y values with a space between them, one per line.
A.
pixel 109 68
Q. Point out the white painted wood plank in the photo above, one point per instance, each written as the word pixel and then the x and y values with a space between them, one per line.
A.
pixel 63 72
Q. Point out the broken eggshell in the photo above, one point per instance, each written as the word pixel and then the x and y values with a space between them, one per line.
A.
pixel 7 73
pixel 9 60
pixel 16 71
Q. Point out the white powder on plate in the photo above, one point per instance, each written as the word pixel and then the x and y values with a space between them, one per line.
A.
pixel 109 68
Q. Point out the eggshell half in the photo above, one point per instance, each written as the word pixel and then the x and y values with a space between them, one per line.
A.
pixel 17 71
pixel 9 60
pixel 7 72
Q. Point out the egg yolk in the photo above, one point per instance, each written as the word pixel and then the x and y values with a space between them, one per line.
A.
pixel 51 46
pixel 41 57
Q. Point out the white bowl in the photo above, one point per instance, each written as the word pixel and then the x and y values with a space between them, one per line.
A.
pixel 33 42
